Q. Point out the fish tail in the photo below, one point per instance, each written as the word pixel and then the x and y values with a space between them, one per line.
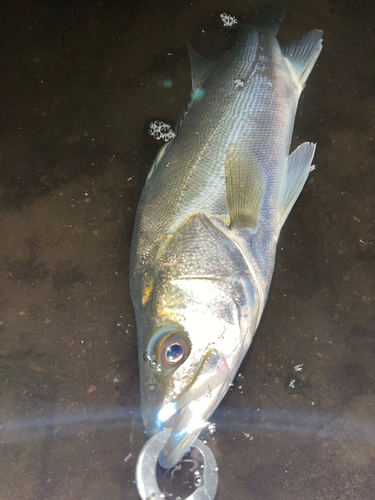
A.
pixel 268 14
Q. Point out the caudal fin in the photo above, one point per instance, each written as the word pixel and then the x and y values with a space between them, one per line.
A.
pixel 269 14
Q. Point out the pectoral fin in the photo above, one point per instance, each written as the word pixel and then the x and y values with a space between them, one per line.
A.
pixel 244 179
pixel 298 165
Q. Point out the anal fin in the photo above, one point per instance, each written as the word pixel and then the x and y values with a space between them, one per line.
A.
pixel 244 179
pixel 298 166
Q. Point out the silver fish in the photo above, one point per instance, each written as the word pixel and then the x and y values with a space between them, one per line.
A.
pixel 207 226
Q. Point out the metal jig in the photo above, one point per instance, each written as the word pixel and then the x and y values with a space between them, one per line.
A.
pixel 146 479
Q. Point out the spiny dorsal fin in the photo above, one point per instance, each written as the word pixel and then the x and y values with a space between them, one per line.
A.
pixel 298 165
pixel 157 159
pixel 244 179
pixel 302 54
pixel 201 67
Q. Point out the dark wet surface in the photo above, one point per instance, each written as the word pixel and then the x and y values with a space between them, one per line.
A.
pixel 80 82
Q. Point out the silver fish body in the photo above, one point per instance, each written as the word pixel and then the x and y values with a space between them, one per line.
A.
pixel 207 226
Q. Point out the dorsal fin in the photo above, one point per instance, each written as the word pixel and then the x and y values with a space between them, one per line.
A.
pixel 201 67
pixel 298 166
pixel 302 54
pixel 159 156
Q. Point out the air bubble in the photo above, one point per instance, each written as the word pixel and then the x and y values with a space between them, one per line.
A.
pixel 228 20
pixel 198 480
pixel 153 362
pixel 211 428
pixel 161 130
pixel 208 393
pixel 299 368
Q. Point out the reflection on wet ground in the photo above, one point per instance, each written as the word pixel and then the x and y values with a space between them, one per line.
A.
pixel 81 83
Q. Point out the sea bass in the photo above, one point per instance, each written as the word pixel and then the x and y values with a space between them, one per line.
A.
pixel 208 222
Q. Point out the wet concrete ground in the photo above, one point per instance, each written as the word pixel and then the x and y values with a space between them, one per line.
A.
pixel 80 84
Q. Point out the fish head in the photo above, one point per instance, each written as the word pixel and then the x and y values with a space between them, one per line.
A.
pixel 200 330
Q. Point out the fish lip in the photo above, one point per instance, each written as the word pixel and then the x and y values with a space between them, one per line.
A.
pixel 187 425
pixel 155 425
pixel 188 413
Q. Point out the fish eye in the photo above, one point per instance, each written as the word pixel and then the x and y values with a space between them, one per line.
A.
pixel 173 350
pixel 174 353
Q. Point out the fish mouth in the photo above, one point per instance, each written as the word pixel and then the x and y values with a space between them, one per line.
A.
pixel 189 412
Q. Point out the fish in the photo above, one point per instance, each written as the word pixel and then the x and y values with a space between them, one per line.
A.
pixel 208 222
